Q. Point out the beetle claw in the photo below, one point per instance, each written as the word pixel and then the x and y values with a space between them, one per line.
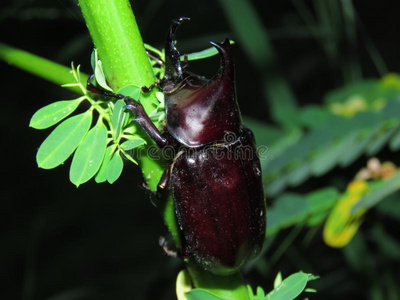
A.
pixel 162 241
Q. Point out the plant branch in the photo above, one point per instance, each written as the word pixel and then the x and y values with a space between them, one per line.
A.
pixel 40 66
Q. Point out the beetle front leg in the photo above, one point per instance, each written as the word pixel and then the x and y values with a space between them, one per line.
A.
pixel 146 89
pixel 144 121
pixel 137 109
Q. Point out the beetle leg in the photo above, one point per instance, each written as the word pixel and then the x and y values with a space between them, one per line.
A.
pixel 144 121
pixel 185 61
pixel 164 180
pixel 159 83
pixel 146 89
pixel 137 109
pixel 156 196
pixel 162 241
pixel 155 57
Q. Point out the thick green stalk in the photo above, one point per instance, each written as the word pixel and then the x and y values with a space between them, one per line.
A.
pixel 39 66
pixel 117 39
pixel 119 45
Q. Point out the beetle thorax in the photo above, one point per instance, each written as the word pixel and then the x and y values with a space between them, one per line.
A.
pixel 202 111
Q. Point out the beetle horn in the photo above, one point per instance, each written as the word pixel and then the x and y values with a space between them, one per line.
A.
pixel 173 66
pixel 227 67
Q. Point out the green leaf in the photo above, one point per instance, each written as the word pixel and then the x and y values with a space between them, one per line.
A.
pixel 248 26
pixel 93 59
pixel 359 142
pixel 153 49
pixel 260 294
pixel 322 199
pixel 395 142
pixel 382 190
pixel 287 210
pixel 314 116
pixel 290 288
pixel 278 280
pixel 264 133
pixel 131 90
pixel 209 52
pixel 53 113
pixel 98 71
pixel 64 139
pixel 89 155
pixel 114 168
pixel 133 143
pixel 118 118
pixel 201 294
pixel 298 175
pixel 101 175
pixel 327 158
pixel 380 140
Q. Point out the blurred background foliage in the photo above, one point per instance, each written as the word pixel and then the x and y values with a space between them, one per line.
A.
pixel 317 83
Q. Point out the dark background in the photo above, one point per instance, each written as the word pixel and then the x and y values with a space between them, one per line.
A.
pixel 99 241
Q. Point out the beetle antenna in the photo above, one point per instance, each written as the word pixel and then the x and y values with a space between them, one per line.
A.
pixel 173 66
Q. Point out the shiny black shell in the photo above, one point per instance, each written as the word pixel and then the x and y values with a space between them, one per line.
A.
pixel 219 204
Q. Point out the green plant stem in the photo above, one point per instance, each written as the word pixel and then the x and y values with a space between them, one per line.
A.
pixel 40 66
pixel 226 287
pixel 119 45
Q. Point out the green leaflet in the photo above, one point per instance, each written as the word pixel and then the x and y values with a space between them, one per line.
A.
pixel 135 142
pixel 53 113
pixel 97 67
pixel 118 117
pixel 287 289
pixel 204 53
pixel 89 155
pixel 381 139
pixel 277 281
pixel 378 193
pixel 201 294
pixel 131 90
pixel 290 288
pixel 395 141
pixel 101 175
pixel 64 139
pixel 114 168
pixel 290 209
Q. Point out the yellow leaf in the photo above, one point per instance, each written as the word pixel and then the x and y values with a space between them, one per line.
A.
pixel 341 225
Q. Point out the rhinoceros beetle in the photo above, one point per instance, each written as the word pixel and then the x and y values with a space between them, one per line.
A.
pixel 215 176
